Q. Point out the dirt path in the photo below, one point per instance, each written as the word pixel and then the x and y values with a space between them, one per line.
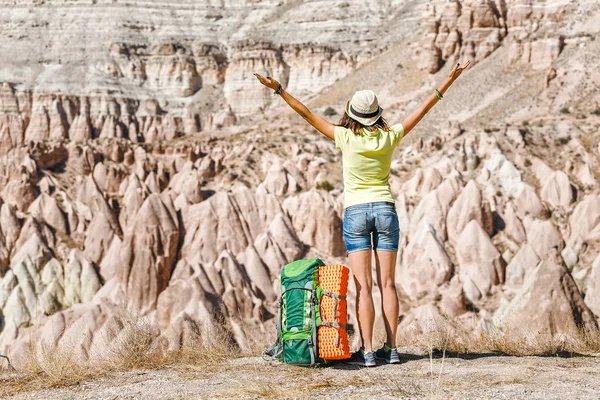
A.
pixel 474 377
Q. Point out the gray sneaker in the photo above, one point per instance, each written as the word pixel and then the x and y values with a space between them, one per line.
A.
pixel 388 354
pixel 363 359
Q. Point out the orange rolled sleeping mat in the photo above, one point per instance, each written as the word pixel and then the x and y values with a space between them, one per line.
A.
pixel 332 335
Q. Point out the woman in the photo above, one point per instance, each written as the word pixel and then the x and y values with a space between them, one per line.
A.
pixel 370 220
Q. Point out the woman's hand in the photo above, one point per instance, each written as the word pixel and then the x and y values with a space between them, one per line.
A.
pixel 457 70
pixel 413 119
pixel 268 81
pixel 321 124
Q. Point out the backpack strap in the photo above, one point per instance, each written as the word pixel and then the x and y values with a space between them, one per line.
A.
pixel 312 341
pixel 335 325
pixel 274 351
pixel 337 298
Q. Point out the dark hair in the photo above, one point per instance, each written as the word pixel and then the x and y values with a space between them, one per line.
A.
pixel 356 126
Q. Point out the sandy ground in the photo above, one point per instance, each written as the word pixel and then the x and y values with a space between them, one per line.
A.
pixel 486 376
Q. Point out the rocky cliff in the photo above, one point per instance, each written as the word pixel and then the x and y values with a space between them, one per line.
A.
pixel 143 170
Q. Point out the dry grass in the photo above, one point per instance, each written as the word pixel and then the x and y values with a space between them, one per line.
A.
pixel 443 335
pixel 47 367
pixel 133 344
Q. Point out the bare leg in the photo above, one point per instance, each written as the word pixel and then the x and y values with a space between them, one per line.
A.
pixel 385 262
pixel 360 264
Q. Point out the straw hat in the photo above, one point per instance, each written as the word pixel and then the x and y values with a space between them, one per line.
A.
pixel 364 107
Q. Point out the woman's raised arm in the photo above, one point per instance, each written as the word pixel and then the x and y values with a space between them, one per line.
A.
pixel 413 119
pixel 320 124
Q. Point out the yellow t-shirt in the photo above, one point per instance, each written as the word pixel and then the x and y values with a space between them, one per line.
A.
pixel 366 160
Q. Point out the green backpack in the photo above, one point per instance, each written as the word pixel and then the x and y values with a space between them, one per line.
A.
pixel 298 315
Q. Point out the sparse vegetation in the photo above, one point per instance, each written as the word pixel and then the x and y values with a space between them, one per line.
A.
pixel 325 185
pixel 330 112
pixel 134 344
pixel 446 336
pixel 564 140
pixel 565 110
pixel 208 352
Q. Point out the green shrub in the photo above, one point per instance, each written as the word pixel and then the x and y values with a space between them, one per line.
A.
pixel 330 112
pixel 325 185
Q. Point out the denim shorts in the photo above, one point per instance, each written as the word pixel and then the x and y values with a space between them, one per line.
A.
pixel 371 226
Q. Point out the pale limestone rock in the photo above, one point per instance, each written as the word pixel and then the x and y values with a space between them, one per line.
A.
pixel 98 238
pixel 548 303
pixel 468 206
pixel 520 266
pixel 152 183
pixel 279 181
pixel 20 192
pixel 99 175
pixel 148 253
pixel 592 291
pixel 90 195
pixel 403 215
pixel 16 312
pixel 81 128
pixel 541 170
pixel 425 264
pixel 52 299
pixel 506 174
pixel 31 227
pixel 81 279
pixel 279 245
pixel 81 159
pixel 213 226
pixel 187 181
pixel 110 261
pixel 186 297
pixel 569 257
pixel 45 208
pixel 422 182
pixel 258 273
pixel 557 190
pixel 9 224
pixel 133 198
pixel 316 221
pixel 449 189
pixel 584 223
pixel 423 319
pixel 543 236
pixel 513 225
pixel 481 265
pixel 586 176
pixel 429 211
pixel 527 202
pixel 453 301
